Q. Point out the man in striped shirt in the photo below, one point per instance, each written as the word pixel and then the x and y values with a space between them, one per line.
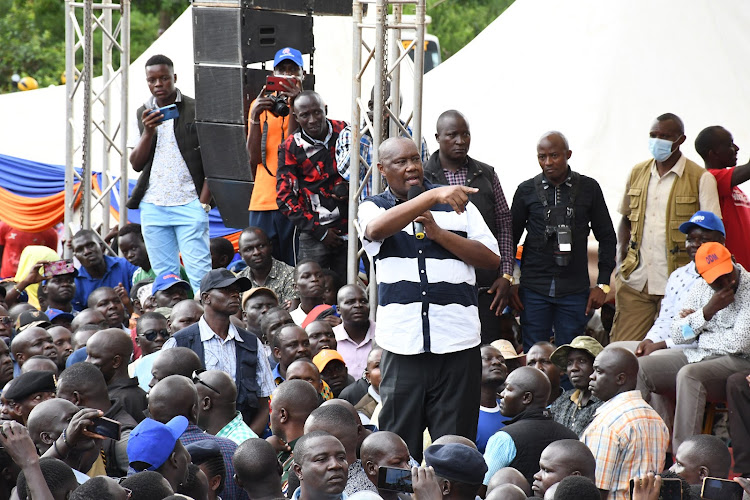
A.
pixel 627 437
pixel 428 320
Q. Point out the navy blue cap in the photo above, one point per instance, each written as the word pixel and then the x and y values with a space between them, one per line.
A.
pixel 704 219
pixel 59 314
pixel 456 462
pixel 203 450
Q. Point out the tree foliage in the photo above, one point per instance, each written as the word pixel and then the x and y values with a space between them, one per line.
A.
pixel 457 22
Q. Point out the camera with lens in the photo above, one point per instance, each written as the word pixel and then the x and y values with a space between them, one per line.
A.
pixel 559 222
pixel 341 190
pixel 279 107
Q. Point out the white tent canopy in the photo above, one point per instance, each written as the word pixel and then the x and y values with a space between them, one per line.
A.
pixel 600 72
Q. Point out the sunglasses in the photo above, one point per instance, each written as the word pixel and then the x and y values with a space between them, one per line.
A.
pixel 197 380
pixel 6 320
pixel 152 334
pixel 128 491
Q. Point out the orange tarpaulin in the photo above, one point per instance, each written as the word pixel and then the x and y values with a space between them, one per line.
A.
pixel 31 214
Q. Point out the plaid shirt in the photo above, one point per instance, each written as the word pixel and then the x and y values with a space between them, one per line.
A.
pixel 343 155
pixel 237 430
pixel 280 279
pixel 503 219
pixel 305 181
pixel 628 439
pixel 231 491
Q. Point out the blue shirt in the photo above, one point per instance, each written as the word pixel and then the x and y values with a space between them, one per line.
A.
pixel 490 421
pixel 118 271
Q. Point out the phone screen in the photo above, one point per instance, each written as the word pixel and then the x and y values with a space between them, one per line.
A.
pixel 106 427
pixel 671 489
pixel 721 489
pixel 391 478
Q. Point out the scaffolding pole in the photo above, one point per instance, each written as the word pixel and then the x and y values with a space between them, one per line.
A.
pixel 388 55
pixel 104 113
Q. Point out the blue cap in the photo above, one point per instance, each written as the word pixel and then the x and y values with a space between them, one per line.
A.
pixel 168 280
pixel 152 442
pixel 704 219
pixel 59 314
pixel 204 450
pixel 293 55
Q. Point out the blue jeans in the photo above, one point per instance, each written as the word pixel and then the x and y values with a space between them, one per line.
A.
pixel 280 232
pixel 171 231
pixel 541 312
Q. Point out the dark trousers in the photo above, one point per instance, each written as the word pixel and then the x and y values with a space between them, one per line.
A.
pixel 436 391
pixel 738 399
pixel 328 258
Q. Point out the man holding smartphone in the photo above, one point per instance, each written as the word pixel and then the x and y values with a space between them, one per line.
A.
pixel 266 131
pixel 171 191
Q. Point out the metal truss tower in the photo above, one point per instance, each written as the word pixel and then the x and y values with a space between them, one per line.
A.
pixel 387 55
pixel 97 139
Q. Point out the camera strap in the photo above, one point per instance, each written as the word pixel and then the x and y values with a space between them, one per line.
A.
pixel 538 185
pixel 264 141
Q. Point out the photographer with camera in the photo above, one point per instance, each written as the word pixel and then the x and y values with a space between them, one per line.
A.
pixel 269 124
pixel 557 209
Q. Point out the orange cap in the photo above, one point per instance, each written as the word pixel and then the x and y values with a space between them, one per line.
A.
pixel 713 260
pixel 325 356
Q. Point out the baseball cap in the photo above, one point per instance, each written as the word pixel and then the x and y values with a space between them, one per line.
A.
pixel 30 383
pixel 713 260
pixel 589 344
pixel 289 53
pixel 704 219
pixel 168 280
pixel 222 278
pixel 456 462
pixel 29 319
pixel 53 314
pixel 506 349
pixel 325 356
pixel 152 442
pixel 203 450
pixel 257 289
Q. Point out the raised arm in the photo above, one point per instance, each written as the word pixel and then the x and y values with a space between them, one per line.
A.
pixel 396 218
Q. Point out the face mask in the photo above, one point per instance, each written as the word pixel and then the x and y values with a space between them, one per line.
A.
pixel 661 149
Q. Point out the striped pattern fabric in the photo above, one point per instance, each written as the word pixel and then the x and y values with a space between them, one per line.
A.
pixel 628 439
pixel 427 297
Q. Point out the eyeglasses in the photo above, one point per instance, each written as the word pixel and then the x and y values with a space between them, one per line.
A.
pixel 197 380
pixel 128 491
pixel 152 334
pixel 6 320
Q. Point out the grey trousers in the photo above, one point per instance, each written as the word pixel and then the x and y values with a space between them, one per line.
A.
pixel 687 386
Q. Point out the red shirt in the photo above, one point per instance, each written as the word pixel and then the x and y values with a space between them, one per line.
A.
pixel 14 241
pixel 735 211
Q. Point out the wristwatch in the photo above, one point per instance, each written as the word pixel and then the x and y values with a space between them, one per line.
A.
pixel 605 288
pixel 509 277
pixel 206 207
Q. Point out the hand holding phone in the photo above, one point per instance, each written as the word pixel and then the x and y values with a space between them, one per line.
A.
pixel 168 112
pixel 58 267
pixel 104 427
pixel 393 479
pixel 280 83
pixel 721 489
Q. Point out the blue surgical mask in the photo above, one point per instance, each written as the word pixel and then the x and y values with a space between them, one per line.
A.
pixel 661 149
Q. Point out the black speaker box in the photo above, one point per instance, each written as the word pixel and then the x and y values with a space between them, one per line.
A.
pixel 233 199
pixel 223 150
pixel 265 32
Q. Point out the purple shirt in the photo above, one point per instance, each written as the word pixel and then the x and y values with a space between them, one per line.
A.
pixel 355 355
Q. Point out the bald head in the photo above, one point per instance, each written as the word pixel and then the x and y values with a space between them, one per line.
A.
pixel 338 421
pixel 509 475
pixel 379 445
pixel 172 396
pixel 32 342
pixel 506 492
pixel 572 457
pixel 49 416
pixel 112 340
pixel 454 439
pixel 392 146
pixel 297 396
pixel 185 313
pixel 174 361
pixel 39 364
pixel 530 380
pixel 256 467
pixel 222 381
pixel 615 372
pixel 304 369
pixel 88 317
pixel 448 117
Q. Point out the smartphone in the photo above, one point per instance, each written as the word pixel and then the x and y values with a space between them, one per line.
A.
pixel 106 427
pixel 57 268
pixel 393 479
pixel 274 83
pixel 170 112
pixel 671 488
pixel 721 489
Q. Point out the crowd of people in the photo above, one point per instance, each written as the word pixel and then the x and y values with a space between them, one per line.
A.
pixel 192 369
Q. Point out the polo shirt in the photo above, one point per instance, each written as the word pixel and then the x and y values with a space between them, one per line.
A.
pixel 118 271
pixel 427 297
